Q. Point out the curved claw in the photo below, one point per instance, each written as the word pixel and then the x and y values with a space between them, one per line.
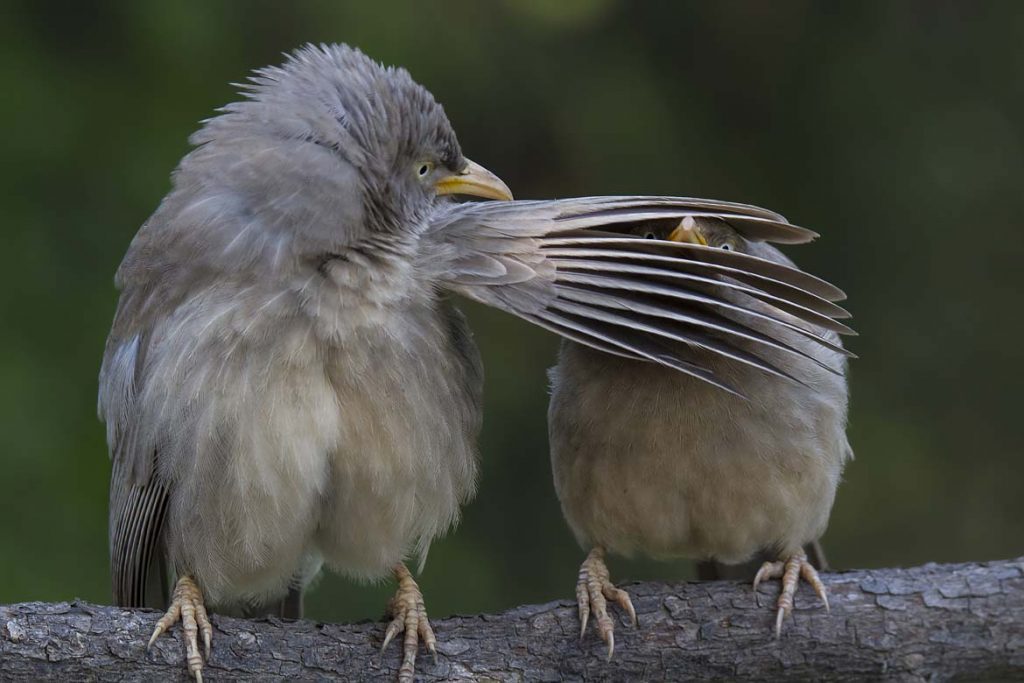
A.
pixel 169 618
pixel 409 616
pixel 780 616
pixel 809 574
pixel 187 606
pixel 622 599
pixel 393 628
pixel 768 570
pixel 593 591
pixel 426 633
pixel 790 571
pixel 582 599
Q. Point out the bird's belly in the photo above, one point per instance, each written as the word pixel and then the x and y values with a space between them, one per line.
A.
pixel 353 445
pixel 703 504
pixel 657 477
pixel 405 460
pixel 245 516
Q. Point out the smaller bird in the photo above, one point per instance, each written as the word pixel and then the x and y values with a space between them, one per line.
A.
pixel 740 456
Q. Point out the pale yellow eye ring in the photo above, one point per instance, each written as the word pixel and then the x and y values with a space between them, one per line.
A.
pixel 424 168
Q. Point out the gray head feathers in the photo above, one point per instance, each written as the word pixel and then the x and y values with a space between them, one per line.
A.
pixel 328 116
pixel 336 96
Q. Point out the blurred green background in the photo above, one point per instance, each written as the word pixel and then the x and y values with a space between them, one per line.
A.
pixel 893 128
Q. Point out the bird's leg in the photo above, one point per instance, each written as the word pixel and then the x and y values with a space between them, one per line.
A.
pixel 408 614
pixel 593 590
pixel 790 570
pixel 187 605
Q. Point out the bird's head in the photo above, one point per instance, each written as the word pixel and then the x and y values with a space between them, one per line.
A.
pixel 709 231
pixel 331 148
pixel 705 231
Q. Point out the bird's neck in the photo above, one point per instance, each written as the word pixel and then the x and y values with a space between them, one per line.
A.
pixel 370 285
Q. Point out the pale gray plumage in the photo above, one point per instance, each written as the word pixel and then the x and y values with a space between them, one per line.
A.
pixel 285 384
pixel 666 465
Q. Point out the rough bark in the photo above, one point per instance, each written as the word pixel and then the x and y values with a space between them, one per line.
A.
pixel 926 623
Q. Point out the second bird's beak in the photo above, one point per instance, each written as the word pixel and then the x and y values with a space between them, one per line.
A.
pixel 475 181
pixel 687 231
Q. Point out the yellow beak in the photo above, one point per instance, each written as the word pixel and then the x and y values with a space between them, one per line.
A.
pixel 475 181
pixel 687 231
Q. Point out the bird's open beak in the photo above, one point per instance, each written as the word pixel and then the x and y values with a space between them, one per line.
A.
pixel 687 231
pixel 475 181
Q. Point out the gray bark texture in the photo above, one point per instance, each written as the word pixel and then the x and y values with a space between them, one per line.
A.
pixel 936 622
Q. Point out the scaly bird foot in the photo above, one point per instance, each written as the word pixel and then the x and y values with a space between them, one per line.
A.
pixel 790 570
pixel 187 605
pixel 593 590
pixel 409 615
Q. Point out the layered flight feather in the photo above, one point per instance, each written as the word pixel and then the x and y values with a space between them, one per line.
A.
pixel 574 267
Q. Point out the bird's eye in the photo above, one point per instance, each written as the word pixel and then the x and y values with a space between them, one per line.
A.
pixel 649 235
pixel 726 246
pixel 423 168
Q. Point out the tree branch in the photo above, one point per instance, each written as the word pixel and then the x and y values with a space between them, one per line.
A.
pixel 935 621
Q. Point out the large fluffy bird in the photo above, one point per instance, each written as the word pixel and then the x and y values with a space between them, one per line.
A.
pixel 739 457
pixel 286 384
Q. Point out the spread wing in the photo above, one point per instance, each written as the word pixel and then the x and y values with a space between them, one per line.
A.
pixel 573 267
